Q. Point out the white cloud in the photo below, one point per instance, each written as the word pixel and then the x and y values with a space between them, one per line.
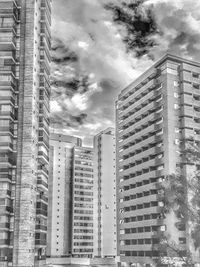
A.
pixel 54 106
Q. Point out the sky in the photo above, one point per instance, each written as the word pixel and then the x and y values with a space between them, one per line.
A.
pixel 101 46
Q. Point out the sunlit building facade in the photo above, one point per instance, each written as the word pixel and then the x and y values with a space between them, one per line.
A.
pixel 70 206
pixel 24 120
pixel 82 215
pixel 59 234
pixel 105 236
pixel 155 115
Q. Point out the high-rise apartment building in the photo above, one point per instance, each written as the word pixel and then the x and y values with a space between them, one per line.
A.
pixel 70 209
pixel 105 236
pixel 24 108
pixel 60 195
pixel 155 115
pixel 82 220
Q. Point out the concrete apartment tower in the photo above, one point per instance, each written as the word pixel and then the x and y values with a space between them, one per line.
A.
pixel 82 215
pixel 70 209
pixel 105 236
pixel 24 108
pixel 60 194
pixel 154 113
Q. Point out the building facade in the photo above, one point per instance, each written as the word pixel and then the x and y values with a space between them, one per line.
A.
pixel 60 195
pixel 105 236
pixel 83 190
pixel 155 114
pixel 70 207
pixel 24 65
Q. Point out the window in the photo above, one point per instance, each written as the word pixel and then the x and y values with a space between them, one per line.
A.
pixel 195 86
pixel 195 75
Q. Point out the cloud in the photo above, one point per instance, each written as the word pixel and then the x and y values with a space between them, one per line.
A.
pixel 91 62
pixel 179 27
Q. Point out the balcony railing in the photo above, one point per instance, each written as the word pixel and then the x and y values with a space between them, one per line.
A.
pixel 41 212
pixel 43 157
pixel 5 176
pixel 41 227
pixel 40 182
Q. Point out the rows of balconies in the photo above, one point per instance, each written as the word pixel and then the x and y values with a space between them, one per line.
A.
pixel 45 85
pixel 133 125
pixel 139 103
pixel 142 104
pixel 9 8
pixel 149 149
pixel 141 188
pixel 142 177
pixel 137 201
pixel 44 98
pixel 45 16
pixel 138 89
pixel 142 130
pixel 152 137
pixel 143 162
pixel 137 122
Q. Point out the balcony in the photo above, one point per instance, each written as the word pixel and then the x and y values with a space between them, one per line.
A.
pixel 44 98
pixel 6 146
pixel 12 84
pixel 5 192
pixel 40 257
pixel 7 99
pixel 5 176
pixel 7 114
pixel 42 184
pixel 42 198
pixel 41 227
pixel 11 161
pixel 7 43
pixel 4 225
pixel 41 212
pixel 5 242
pixel 8 27
pixel 8 69
pixel 43 141
pixel 43 158
pixel 8 129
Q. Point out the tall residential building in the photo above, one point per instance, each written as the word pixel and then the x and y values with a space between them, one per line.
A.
pixel 82 215
pixel 155 114
pixel 70 209
pixel 24 107
pixel 59 239
pixel 105 236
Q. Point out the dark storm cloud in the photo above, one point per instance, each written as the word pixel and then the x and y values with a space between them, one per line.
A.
pixel 138 22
